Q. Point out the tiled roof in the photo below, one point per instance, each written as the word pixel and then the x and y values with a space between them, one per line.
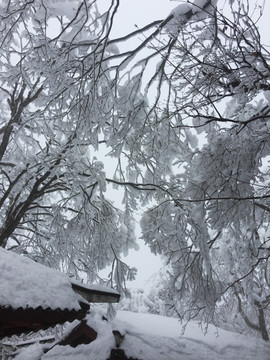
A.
pixel 26 284
pixel 33 296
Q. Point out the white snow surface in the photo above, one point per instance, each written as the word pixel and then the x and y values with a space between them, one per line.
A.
pixel 181 14
pixel 27 284
pixel 179 18
pixel 196 6
pixel 199 4
pixel 154 337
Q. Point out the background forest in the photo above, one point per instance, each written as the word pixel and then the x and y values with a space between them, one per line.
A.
pixel 181 106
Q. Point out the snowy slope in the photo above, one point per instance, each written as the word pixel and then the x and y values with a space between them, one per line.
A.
pixel 153 337
pixel 156 337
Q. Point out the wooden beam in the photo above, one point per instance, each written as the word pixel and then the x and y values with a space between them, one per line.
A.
pixel 24 320
pixel 96 295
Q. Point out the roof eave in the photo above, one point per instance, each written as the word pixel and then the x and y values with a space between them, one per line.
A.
pixel 96 296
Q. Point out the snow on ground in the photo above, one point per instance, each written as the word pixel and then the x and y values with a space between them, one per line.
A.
pixel 153 337
pixel 27 284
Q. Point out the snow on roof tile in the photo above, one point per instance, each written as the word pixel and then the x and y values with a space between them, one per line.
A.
pixel 27 284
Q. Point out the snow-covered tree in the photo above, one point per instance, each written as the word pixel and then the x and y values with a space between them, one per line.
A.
pixel 57 107
pixel 185 114
pixel 212 224
pixel 137 301
pixel 66 90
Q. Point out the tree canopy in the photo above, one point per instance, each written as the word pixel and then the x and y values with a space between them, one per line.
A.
pixel 184 111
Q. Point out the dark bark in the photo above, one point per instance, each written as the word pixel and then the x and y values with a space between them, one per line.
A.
pixel 261 326
pixel 262 323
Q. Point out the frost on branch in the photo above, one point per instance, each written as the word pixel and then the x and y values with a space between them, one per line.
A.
pixel 210 223
pixel 190 11
pixel 54 115
pixel 184 116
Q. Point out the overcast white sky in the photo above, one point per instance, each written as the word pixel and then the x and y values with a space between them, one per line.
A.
pixel 141 12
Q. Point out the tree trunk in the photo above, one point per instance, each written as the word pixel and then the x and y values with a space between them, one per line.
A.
pixel 262 323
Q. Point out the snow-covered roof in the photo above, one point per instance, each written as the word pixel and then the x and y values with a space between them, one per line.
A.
pixel 27 284
pixel 153 337
pixel 95 293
